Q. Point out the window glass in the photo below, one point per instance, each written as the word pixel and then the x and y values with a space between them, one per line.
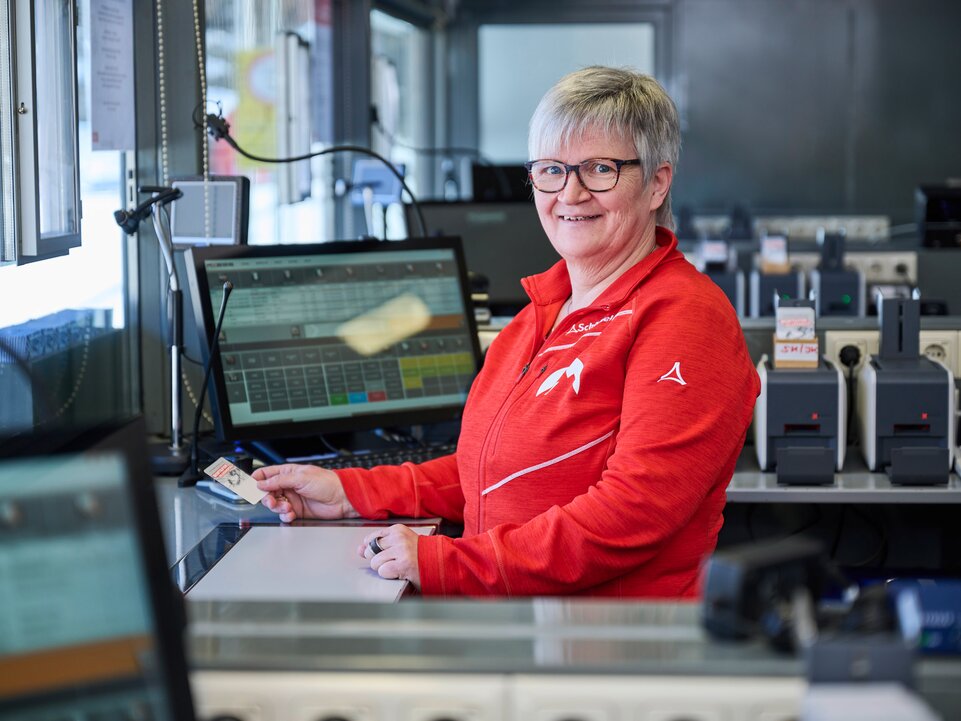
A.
pixel 56 135
pixel 8 236
pixel 535 57
pixel 243 61
pixel 66 314
pixel 401 94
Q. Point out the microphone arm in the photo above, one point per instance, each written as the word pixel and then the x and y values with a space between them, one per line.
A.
pixel 193 473
pixel 129 220
pixel 173 460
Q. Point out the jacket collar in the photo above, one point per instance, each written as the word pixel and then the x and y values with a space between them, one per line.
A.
pixel 554 285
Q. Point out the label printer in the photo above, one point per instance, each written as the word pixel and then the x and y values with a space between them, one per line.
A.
pixel 800 422
pixel 800 418
pixel 906 402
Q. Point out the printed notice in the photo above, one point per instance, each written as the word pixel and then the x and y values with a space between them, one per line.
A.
pixel 111 75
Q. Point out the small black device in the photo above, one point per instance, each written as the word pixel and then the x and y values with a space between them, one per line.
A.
pixel 765 287
pixel 93 624
pixel 215 211
pixel 837 290
pixel 747 588
pixel 338 336
pixel 500 183
pixel 937 210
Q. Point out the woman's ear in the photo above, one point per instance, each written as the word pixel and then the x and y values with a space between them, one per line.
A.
pixel 660 185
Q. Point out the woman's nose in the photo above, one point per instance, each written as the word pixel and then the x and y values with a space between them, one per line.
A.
pixel 574 191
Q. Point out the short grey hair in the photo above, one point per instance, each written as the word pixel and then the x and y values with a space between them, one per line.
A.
pixel 618 101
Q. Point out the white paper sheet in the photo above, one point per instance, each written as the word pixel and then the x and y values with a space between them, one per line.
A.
pixel 298 563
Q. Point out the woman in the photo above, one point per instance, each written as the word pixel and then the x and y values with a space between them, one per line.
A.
pixel 599 438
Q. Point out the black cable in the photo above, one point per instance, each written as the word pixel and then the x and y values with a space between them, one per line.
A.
pixel 878 527
pixel 808 526
pixel 850 356
pixel 330 446
pixel 502 179
pixel 448 150
pixel 219 129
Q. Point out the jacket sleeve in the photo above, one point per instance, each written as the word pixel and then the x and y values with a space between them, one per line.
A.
pixel 675 444
pixel 414 490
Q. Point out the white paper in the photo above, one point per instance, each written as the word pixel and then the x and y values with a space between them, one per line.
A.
pixel 794 323
pixel 774 250
pixel 111 75
pixel 299 563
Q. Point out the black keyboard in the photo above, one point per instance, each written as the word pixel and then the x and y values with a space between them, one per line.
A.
pixel 384 456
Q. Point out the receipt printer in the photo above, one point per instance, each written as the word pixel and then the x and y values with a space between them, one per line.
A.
pixel 800 421
pixel 906 402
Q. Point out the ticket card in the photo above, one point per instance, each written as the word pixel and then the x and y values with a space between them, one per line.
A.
pixel 229 475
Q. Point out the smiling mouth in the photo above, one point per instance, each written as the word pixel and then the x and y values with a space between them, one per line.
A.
pixel 577 218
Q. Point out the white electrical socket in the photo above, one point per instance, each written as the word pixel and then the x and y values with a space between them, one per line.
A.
pixel 942 345
pixel 866 341
pixel 857 227
pixel 885 267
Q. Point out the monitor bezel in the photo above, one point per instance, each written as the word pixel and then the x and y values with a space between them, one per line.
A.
pixel 205 316
pixel 241 185
pixel 128 437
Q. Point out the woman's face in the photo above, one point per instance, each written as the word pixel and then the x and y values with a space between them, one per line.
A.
pixel 602 230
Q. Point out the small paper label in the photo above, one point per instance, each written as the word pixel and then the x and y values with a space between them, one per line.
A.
pixel 774 250
pixel 794 323
pixel 796 351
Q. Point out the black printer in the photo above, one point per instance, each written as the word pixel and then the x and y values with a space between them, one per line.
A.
pixel 906 402
pixel 800 422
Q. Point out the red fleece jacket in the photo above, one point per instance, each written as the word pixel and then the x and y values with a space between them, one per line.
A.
pixel 593 459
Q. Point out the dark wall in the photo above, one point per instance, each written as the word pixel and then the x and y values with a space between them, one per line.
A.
pixel 789 105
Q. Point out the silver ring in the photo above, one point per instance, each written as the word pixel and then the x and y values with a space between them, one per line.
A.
pixel 375 546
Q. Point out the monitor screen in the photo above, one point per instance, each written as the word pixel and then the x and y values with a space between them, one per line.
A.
pixel 502 241
pixel 500 182
pixel 88 628
pixel 336 336
pixel 211 212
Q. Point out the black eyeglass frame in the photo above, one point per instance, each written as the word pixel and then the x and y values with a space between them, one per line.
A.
pixel 576 169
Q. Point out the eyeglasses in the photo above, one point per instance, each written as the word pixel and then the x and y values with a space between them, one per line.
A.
pixel 598 175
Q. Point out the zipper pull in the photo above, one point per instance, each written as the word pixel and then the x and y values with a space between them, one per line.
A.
pixel 523 372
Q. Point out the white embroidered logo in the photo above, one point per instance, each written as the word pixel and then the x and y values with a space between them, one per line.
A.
pixel 674 374
pixel 572 371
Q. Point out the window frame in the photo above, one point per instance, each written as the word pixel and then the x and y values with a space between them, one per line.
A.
pixel 24 180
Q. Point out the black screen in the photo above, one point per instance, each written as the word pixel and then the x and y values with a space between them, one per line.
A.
pixel 502 241
pixel 337 336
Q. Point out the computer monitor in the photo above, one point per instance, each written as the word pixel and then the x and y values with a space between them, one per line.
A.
pixel 91 624
pixel 224 200
pixel 338 336
pixel 491 182
pixel 502 241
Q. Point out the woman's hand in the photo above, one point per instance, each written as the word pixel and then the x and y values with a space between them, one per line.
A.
pixel 398 555
pixel 296 491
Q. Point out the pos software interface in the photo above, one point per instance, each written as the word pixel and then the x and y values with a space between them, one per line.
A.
pixel 336 336
pixel 90 626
